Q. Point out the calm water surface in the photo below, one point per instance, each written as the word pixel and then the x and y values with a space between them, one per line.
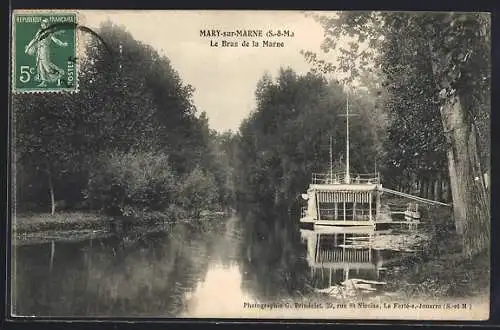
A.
pixel 193 272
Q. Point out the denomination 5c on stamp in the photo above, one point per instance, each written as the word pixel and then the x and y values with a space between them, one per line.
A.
pixel 44 54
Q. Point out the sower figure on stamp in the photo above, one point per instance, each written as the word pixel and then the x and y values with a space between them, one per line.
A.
pixel 47 71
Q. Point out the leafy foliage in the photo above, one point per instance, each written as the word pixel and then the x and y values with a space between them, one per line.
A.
pixel 224 149
pixel 198 192
pixel 287 137
pixel 125 183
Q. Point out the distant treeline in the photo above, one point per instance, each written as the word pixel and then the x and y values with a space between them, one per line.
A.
pixel 129 141
pixel 287 137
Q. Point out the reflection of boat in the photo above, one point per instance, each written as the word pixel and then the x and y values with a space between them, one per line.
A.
pixel 342 199
pixel 339 257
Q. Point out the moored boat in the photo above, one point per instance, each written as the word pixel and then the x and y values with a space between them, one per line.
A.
pixel 342 199
pixel 332 201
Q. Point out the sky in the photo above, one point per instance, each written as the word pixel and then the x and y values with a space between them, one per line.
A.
pixel 224 78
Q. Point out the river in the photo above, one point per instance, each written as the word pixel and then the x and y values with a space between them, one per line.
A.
pixel 228 268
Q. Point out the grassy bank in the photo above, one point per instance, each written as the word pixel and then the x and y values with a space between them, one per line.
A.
pixel 440 270
pixel 31 228
pixel 36 222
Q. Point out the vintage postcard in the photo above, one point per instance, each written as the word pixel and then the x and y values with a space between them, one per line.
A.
pixel 250 164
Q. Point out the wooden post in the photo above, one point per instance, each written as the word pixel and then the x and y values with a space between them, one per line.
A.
pixel 344 211
pixel 370 205
pixel 336 210
pixel 316 252
pixel 317 206
pixel 377 206
pixel 343 249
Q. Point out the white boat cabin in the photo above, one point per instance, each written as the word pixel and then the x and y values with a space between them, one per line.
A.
pixel 337 200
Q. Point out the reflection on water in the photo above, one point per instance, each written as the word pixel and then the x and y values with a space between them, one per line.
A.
pixel 193 272
pixel 114 277
pixel 275 267
pixel 219 294
pixel 342 260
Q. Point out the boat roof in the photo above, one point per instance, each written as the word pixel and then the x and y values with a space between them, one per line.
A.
pixel 356 187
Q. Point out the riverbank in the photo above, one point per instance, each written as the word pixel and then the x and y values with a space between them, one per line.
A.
pixel 33 228
pixel 36 222
pixel 440 269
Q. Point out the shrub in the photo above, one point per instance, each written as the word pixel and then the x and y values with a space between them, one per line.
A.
pixel 128 183
pixel 198 192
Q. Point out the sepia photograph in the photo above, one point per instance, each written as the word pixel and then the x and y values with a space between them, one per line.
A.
pixel 193 164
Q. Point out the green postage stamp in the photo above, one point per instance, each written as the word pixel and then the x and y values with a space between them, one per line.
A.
pixel 44 52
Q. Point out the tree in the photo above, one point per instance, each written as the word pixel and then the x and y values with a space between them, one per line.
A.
pixel 286 138
pixel 198 192
pixel 415 143
pixel 130 183
pixel 223 166
pixel 43 130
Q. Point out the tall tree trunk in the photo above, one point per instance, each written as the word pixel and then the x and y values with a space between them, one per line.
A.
pixel 448 190
pixel 426 185
pixel 429 188
pixel 52 195
pixel 422 187
pixel 439 192
pixel 435 194
pixel 470 200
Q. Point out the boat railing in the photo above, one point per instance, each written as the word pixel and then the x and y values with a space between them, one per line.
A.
pixel 351 254
pixel 303 211
pixel 339 177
